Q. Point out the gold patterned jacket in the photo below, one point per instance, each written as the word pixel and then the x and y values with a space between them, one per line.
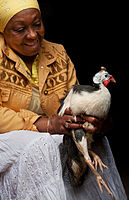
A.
pixel 56 75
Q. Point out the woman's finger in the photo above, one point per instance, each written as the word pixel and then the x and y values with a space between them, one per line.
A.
pixel 90 119
pixel 72 125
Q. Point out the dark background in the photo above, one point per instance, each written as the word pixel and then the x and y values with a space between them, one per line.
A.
pixel 95 35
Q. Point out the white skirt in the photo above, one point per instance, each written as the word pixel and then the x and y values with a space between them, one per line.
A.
pixel 31 169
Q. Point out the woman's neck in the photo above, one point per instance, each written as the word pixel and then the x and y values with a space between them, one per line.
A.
pixel 28 60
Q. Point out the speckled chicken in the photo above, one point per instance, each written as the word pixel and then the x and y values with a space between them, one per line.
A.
pixel 94 101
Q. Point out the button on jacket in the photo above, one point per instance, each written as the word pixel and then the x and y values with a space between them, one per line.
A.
pixel 56 75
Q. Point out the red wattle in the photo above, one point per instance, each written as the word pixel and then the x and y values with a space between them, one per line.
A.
pixel 106 82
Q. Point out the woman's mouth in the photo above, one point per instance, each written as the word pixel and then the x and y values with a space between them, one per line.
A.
pixel 32 45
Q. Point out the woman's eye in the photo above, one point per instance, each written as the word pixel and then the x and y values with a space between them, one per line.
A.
pixel 20 29
pixel 37 24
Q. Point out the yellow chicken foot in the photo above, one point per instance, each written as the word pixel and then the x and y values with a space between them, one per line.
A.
pixel 99 179
pixel 97 160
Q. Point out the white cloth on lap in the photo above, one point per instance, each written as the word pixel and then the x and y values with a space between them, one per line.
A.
pixel 30 169
pixel 33 167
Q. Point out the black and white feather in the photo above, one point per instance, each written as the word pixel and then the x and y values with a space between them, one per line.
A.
pixel 90 100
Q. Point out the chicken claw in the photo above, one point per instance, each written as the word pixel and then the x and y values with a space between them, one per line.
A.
pixel 99 179
pixel 97 160
pixel 101 182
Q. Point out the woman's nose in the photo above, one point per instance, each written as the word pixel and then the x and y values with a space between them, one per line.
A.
pixel 31 34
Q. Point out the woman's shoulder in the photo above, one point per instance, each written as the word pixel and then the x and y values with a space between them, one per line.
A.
pixel 52 46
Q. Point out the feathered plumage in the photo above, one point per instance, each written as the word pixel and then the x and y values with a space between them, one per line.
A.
pixel 94 101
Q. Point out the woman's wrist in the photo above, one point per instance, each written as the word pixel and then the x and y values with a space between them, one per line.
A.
pixel 42 124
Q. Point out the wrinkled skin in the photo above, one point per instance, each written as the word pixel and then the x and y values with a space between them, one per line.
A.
pixel 23 34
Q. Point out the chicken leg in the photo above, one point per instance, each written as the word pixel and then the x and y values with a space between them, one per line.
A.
pixel 81 143
pixel 99 179
pixel 97 161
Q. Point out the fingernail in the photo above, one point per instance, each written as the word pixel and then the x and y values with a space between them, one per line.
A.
pixel 83 126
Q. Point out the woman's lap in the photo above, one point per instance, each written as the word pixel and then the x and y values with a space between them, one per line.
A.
pixel 31 169
pixel 35 170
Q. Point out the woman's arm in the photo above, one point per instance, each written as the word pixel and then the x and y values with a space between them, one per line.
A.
pixel 11 120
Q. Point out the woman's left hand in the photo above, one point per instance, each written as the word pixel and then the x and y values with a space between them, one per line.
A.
pixel 92 124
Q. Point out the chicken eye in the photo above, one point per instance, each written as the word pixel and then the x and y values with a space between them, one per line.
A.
pixel 106 75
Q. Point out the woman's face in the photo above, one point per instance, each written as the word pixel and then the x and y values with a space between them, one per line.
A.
pixel 24 32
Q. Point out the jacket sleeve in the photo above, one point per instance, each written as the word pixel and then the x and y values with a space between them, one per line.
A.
pixel 11 120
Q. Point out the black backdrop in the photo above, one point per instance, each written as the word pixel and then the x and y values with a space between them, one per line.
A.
pixel 95 35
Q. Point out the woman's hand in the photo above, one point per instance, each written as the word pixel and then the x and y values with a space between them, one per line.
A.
pixel 59 124
pixel 92 124
pixel 64 124
pixel 99 126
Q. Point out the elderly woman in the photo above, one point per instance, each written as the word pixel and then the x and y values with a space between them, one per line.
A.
pixel 34 75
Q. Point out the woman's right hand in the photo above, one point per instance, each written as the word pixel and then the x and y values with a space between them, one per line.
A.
pixel 63 124
pixel 58 124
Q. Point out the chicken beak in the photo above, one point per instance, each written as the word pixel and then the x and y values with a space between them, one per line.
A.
pixel 112 79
